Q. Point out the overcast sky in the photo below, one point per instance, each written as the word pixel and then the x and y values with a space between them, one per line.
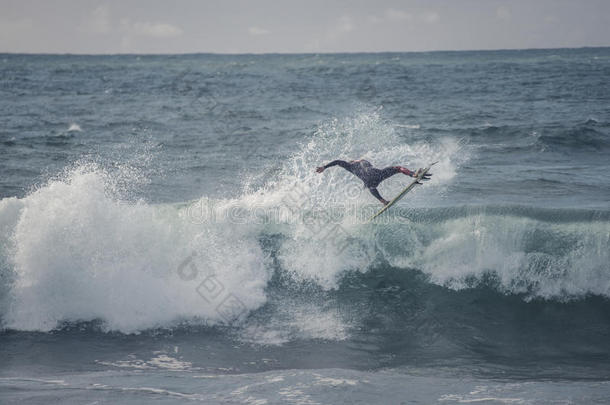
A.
pixel 234 26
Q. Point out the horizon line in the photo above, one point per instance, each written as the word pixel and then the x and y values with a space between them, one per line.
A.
pixel 296 53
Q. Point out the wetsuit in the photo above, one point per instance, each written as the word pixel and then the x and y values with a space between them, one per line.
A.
pixel 370 175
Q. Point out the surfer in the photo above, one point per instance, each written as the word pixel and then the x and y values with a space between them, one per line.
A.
pixel 371 176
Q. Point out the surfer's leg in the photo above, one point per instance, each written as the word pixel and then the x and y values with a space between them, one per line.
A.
pixel 376 194
pixel 388 172
pixel 407 172
pixel 392 170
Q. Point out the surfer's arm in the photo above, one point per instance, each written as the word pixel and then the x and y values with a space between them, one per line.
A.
pixel 378 196
pixel 341 163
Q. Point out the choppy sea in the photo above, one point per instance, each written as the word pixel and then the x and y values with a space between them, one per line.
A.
pixel 164 237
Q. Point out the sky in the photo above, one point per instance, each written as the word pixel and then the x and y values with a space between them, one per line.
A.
pixel 305 26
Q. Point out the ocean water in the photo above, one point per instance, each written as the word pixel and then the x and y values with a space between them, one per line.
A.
pixel 164 237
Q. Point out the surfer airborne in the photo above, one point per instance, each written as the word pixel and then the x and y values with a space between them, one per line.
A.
pixel 371 176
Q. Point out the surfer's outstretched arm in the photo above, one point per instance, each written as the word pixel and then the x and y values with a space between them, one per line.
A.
pixel 341 163
pixel 376 194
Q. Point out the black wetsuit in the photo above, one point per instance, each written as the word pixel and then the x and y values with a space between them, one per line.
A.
pixel 365 171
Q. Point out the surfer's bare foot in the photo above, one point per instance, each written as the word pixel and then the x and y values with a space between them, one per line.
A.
pixel 320 169
pixel 384 202
pixel 426 176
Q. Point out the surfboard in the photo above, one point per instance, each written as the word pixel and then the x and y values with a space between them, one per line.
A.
pixel 404 191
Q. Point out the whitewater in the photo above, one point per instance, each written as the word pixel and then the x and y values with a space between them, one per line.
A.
pixel 164 235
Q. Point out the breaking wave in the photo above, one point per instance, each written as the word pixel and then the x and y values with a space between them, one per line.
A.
pixel 75 249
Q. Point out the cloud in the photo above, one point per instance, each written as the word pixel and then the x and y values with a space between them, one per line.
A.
pixel 397 15
pixel 139 29
pixel 430 17
pixel 394 15
pixel 98 22
pixel 148 29
pixel 390 14
pixel 503 13
pixel 551 19
pixel 156 30
pixel 340 27
pixel 258 31
pixel 344 25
